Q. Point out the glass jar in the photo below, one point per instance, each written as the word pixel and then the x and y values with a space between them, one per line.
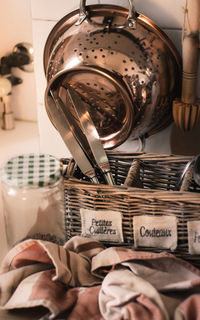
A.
pixel 33 198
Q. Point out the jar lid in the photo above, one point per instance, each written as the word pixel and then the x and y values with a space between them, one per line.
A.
pixel 34 170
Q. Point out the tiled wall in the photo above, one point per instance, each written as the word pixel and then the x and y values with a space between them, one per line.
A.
pixel 168 14
pixel 16 26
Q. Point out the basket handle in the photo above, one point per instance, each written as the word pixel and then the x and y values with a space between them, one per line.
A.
pixel 131 18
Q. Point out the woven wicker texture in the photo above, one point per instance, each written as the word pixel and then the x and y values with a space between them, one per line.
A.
pixel 155 195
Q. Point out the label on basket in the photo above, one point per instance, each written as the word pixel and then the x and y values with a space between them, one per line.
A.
pixel 155 231
pixel 102 225
pixel 194 236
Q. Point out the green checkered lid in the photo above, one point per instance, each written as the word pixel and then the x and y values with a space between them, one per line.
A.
pixel 34 170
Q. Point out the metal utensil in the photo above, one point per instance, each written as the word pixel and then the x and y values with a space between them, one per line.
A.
pixel 91 134
pixel 74 122
pixel 73 119
pixel 191 170
pixel 66 132
pixel 196 174
pixel 185 170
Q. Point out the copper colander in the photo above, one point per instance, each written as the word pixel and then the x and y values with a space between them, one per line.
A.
pixel 123 66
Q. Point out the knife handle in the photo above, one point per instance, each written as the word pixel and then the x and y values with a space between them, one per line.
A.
pixel 94 180
pixel 109 178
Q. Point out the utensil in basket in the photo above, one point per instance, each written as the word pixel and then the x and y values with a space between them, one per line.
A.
pixel 190 171
pixel 197 170
pixel 91 134
pixel 66 131
pixel 70 115
pixel 133 176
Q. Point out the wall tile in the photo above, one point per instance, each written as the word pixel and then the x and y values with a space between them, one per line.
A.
pixel 15 19
pixel 41 30
pixel 54 10
pixel 23 99
pixel 16 26
pixel 50 140
pixel 176 37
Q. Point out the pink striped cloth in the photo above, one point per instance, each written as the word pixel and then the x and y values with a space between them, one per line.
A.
pixel 85 280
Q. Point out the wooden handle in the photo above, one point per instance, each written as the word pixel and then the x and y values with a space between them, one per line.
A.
pixel 190 51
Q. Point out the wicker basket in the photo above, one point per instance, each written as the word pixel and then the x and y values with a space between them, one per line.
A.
pixel 156 196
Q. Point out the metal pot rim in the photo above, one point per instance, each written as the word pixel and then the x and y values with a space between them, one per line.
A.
pixel 123 133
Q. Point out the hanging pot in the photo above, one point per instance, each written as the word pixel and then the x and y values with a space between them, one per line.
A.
pixel 123 66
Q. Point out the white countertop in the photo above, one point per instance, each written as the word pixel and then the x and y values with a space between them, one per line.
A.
pixel 23 139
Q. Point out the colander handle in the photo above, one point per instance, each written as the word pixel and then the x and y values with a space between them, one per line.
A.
pixel 131 18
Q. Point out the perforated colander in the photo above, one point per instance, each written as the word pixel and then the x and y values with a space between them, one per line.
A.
pixel 122 65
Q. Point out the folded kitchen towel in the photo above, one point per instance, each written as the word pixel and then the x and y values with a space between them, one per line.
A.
pixel 38 273
pixel 145 285
pixel 188 309
pixel 126 296
pixel 88 281
pixel 166 272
